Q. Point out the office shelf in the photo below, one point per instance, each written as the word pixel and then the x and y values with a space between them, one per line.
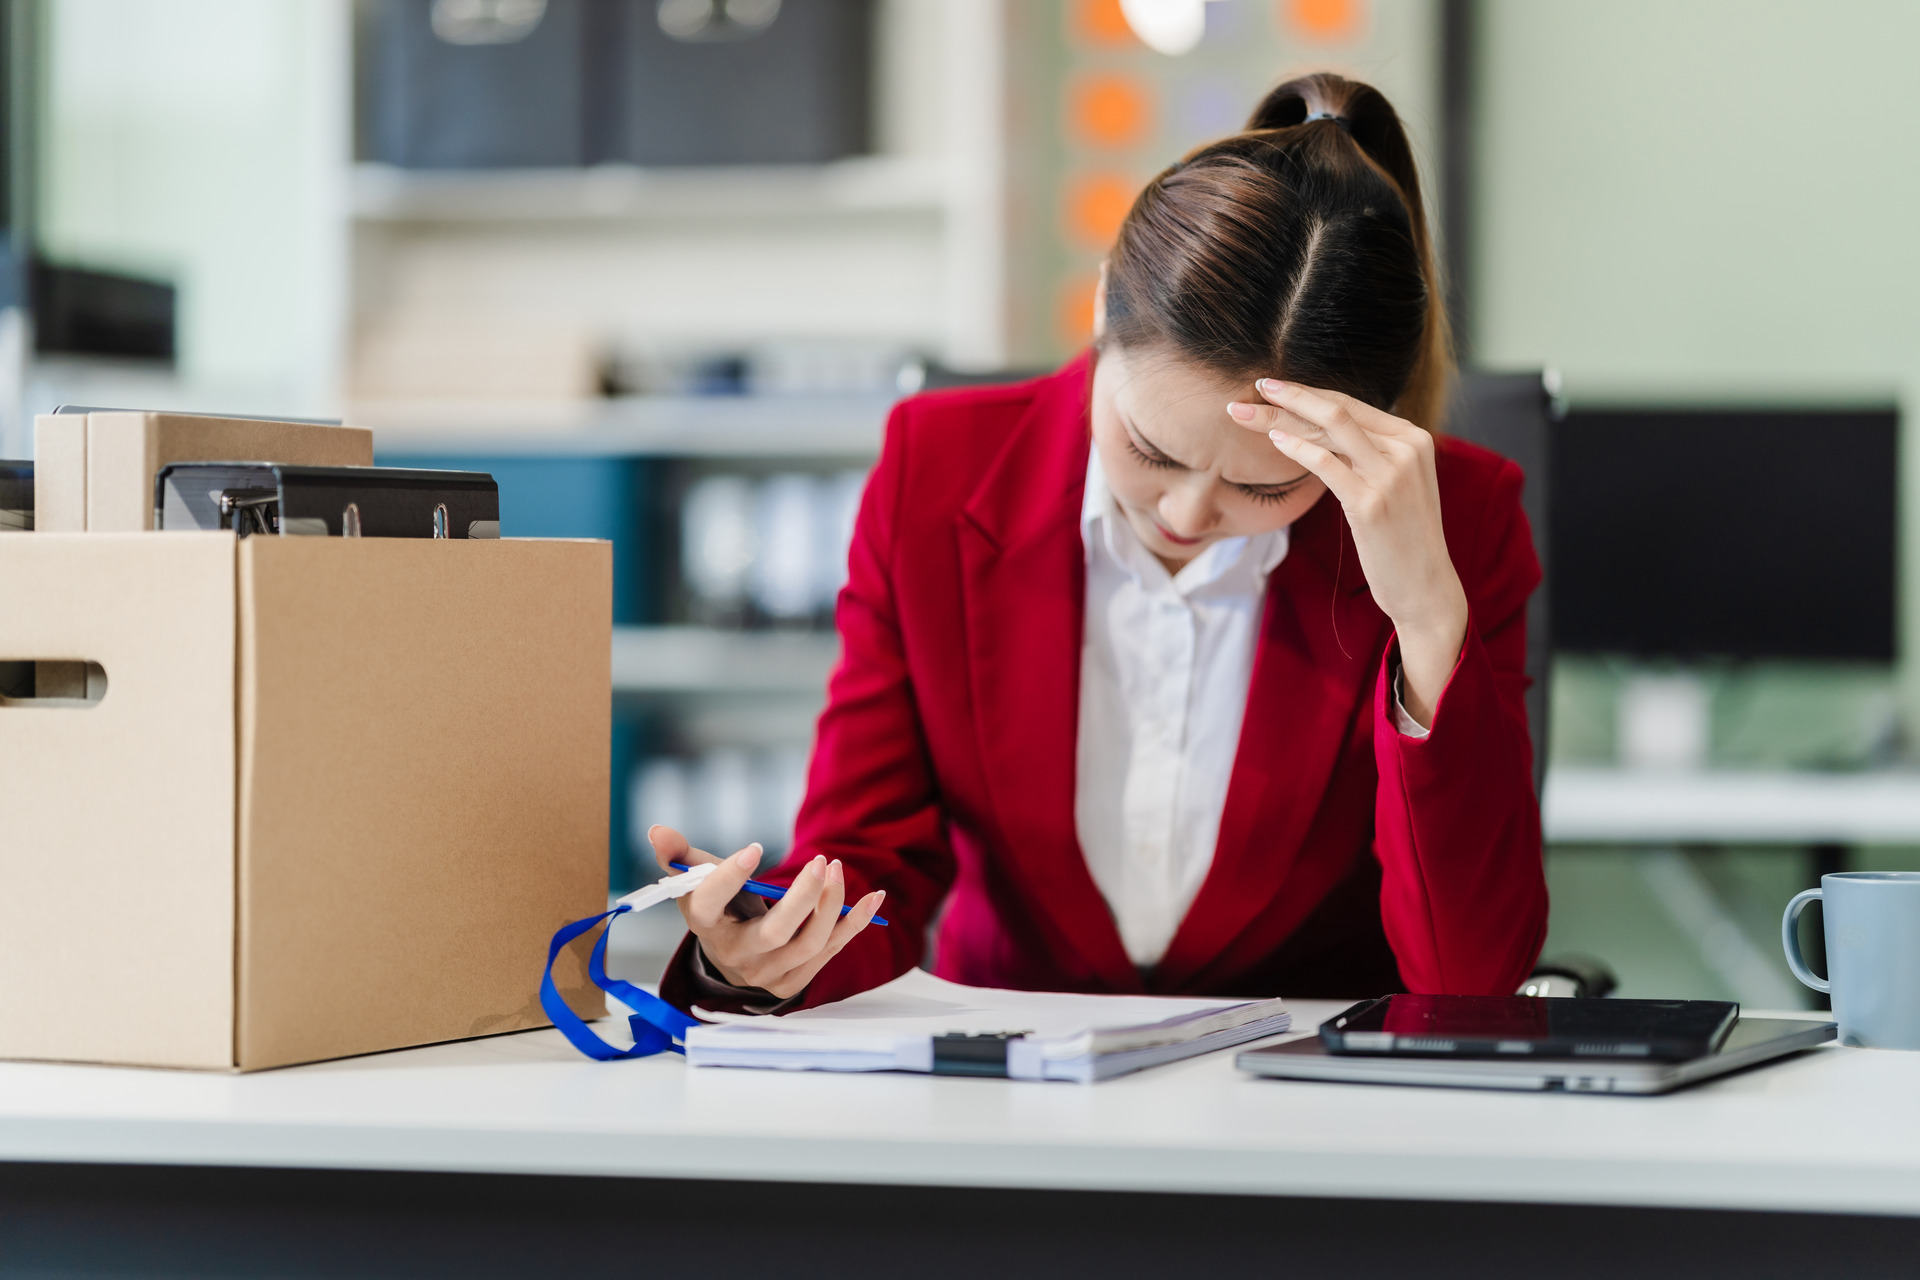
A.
pixel 810 426
pixel 1726 806
pixel 626 193
pixel 702 661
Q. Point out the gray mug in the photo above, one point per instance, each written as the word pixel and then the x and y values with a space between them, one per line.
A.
pixel 1872 922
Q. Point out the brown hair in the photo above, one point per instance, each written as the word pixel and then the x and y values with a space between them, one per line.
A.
pixel 1297 248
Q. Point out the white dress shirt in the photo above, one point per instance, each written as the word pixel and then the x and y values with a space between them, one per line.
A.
pixel 1165 666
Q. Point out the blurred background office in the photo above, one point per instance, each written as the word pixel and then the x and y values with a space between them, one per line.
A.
pixel 662 265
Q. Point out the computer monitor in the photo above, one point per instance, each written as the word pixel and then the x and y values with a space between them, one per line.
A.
pixel 1736 533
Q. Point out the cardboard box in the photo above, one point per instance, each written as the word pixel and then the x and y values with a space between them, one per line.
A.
pixel 94 471
pixel 325 796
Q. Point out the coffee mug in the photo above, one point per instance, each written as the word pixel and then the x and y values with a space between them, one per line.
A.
pixel 1872 922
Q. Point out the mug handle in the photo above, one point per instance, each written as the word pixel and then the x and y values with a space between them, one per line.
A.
pixel 1790 939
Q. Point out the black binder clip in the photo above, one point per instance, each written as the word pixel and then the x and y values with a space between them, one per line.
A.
pixel 960 1054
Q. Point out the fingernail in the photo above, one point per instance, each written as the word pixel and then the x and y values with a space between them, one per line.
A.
pixel 1244 412
pixel 1273 384
pixel 1276 435
pixel 835 874
pixel 879 896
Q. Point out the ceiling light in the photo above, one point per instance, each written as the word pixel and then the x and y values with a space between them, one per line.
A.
pixel 1172 27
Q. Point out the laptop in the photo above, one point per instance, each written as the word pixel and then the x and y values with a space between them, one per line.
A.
pixel 1751 1041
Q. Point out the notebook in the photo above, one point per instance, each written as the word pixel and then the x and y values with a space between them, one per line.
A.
pixel 922 1023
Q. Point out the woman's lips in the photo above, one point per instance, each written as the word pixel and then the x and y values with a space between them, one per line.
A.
pixel 1173 537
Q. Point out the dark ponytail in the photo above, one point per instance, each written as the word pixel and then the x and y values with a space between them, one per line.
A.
pixel 1296 248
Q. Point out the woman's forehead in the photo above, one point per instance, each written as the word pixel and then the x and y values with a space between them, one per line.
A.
pixel 1181 408
pixel 1165 380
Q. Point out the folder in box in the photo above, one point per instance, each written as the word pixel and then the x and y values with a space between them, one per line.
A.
pixel 353 502
pixel 96 466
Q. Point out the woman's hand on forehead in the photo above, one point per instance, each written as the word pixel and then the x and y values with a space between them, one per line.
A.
pixel 1381 469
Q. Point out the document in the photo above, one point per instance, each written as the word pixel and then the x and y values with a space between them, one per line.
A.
pixel 922 1023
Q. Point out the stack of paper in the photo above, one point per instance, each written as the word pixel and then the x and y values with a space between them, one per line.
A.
pixel 913 1022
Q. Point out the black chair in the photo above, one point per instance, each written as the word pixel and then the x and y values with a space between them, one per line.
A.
pixel 1513 415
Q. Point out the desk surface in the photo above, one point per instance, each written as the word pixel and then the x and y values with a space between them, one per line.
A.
pixel 1834 1130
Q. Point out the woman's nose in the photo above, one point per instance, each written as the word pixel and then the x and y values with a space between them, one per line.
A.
pixel 1187 509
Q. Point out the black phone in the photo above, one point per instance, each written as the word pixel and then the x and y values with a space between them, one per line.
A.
pixel 1425 1026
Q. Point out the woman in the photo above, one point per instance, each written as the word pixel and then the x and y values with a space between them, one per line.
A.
pixel 1127 703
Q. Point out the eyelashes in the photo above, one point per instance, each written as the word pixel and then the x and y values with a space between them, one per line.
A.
pixel 1265 495
pixel 1159 460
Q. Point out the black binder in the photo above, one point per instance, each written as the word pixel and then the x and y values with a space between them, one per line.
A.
pixel 352 502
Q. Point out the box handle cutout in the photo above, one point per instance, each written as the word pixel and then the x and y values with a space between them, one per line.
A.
pixel 52 683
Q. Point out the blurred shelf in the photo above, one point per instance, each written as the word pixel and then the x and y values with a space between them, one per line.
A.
pixel 62 378
pixel 699 660
pixel 1627 806
pixel 617 193
pixel 812 426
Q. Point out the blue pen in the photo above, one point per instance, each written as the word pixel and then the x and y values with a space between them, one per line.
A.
pixel 763 890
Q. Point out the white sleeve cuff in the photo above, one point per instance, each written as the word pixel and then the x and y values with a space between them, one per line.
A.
pixel 1406 724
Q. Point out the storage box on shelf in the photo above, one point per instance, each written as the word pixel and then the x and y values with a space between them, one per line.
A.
pixel 851 192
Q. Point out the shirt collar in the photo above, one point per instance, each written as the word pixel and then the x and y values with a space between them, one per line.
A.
pixel 1102 525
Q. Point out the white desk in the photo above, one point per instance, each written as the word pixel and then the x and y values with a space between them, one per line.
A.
pixel 1584 805
pixel 1837 1130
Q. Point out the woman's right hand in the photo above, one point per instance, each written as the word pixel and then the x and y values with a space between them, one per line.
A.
pixel 779 951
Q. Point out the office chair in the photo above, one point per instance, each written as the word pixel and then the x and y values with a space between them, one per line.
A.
pixel 1513 415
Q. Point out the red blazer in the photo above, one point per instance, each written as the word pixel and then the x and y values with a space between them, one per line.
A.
pixel 1352 861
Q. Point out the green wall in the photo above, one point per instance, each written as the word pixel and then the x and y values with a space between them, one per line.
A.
pixel 1707 200
pixel 205 142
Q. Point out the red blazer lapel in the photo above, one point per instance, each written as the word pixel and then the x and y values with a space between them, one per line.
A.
pixel 1024 577
pixel 1321 639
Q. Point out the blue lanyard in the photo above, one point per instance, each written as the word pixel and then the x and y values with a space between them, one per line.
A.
pixel 656 1024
